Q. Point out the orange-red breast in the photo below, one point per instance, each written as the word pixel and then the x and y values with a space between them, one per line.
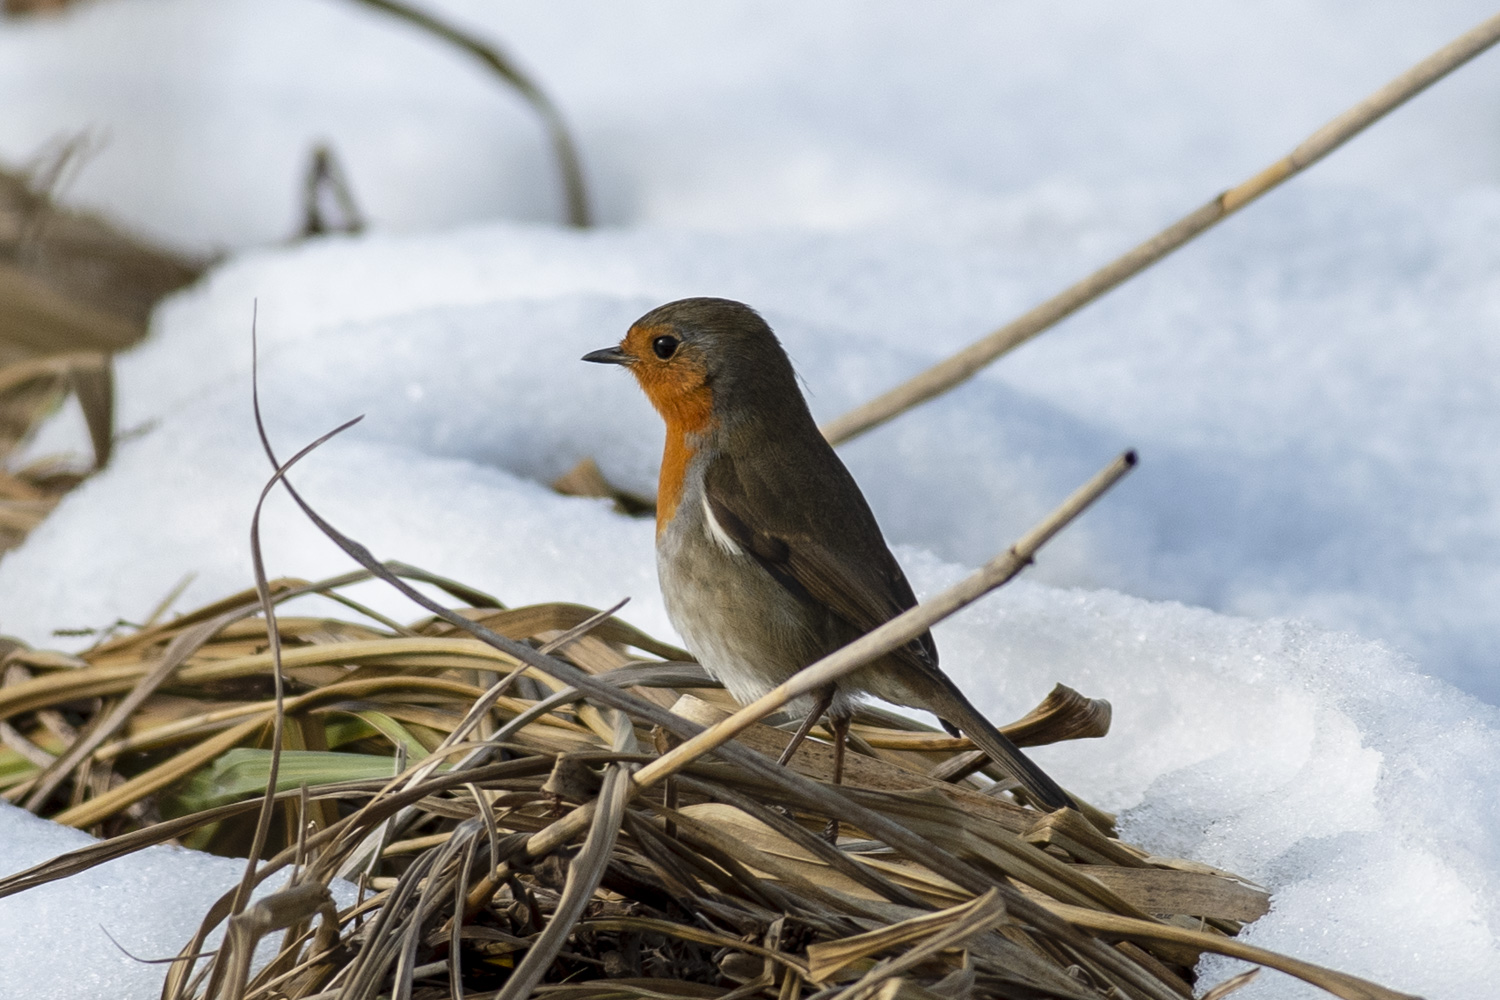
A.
pixel 768 554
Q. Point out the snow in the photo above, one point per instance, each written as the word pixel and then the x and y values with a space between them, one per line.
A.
pixel 150 902
pixel 1292 602
pixel 1317 764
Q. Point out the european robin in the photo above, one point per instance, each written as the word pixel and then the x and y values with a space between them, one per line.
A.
pixel 768 553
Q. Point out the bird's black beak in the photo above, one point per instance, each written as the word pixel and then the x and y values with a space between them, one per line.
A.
pixel 609 356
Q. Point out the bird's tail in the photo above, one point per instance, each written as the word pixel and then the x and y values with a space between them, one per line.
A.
pixel 1041 788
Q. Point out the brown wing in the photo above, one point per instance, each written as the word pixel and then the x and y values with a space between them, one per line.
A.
pixel 830 553
pixel 806 522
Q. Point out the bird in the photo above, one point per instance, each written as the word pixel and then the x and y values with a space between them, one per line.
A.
pixel 768 554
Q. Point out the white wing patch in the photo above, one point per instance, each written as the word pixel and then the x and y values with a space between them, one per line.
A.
pixel 718 534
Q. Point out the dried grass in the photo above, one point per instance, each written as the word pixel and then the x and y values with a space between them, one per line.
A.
pixel 712 883
pixel 73 289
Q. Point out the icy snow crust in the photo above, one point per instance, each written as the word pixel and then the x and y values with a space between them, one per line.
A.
pixel 1311 387
pixel 57 936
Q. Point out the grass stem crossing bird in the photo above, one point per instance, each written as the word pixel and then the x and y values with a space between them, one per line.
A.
pixel 768 554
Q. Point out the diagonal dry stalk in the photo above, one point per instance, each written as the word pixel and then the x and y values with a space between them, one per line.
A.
pixel 960 367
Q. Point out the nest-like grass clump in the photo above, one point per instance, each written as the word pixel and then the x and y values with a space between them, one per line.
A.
pixel 504 843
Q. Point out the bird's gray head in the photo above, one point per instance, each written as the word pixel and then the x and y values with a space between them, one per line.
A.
pixel 705 358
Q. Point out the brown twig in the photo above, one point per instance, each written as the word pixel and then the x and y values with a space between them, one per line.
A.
pixel 962 366
pixel 325 176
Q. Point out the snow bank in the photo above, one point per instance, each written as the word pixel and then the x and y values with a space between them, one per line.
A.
pixel 1362 794
pixel 1321 764
pixel 1310 387
pixel 57 936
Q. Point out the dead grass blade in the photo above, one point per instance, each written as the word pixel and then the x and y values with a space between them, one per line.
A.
pixel 276 912
pixel 586 479
pixel 268 609
pixel 1340 984
pixel 936 933
pixel 1231 985
pixel 34 317
pixel 73 289
pixel 91 284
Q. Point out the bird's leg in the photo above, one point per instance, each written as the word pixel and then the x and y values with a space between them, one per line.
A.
pixel 825 698
pixel 840 726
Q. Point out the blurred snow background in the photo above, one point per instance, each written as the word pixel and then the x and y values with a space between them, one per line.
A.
pixel 1311 386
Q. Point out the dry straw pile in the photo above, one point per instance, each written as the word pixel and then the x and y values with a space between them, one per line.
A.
pixel 493 817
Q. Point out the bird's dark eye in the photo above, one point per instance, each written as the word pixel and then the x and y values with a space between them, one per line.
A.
pixel 665 347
